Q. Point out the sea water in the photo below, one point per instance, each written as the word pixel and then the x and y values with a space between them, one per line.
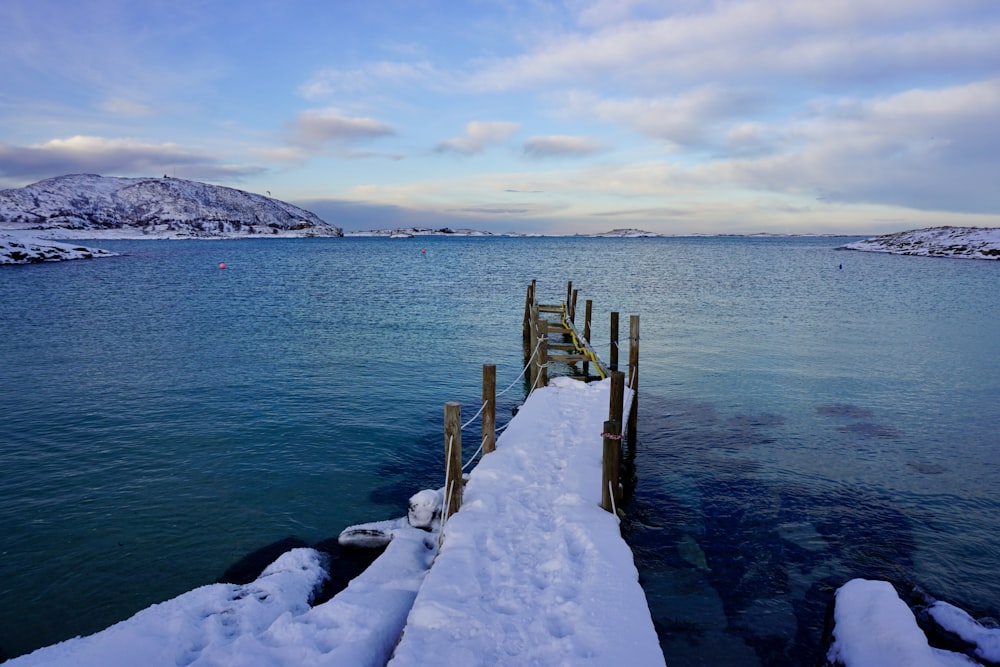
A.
pixel 806 416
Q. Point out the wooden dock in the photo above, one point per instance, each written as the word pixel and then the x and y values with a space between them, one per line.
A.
pixel 533 533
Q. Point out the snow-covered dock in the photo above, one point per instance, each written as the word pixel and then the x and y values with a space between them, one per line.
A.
pixel 532 570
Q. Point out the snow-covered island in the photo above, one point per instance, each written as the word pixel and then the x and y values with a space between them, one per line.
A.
pixel 411 232
pixel 963 242
pixel 94 207
pixel 628 233
pixel 24 248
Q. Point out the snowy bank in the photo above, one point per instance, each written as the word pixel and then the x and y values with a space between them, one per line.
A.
pixel 21 248
pixel 965 242
pixel 873 627
pixel 267 623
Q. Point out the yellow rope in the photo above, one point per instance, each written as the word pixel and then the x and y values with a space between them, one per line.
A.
pixel 580 347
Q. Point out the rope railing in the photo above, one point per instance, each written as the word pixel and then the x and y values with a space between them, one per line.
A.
pixel 485 404
pixel 536 333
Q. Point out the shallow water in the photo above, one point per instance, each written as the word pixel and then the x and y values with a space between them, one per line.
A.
pixel 800 423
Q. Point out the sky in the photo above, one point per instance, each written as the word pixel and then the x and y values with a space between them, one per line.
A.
pixel 672 116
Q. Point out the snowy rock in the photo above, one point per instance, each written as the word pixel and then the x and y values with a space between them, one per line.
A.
pixel 965 242
pixel 873 627
pixel 21 248
pixel 371 535
pixel 425 508
pixel 91 206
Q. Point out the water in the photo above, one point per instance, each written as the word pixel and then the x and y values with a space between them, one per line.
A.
pixel 800 424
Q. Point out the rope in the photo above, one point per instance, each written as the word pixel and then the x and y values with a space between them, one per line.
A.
pixel 523 370
pixel 473 458
pixel 614 510
pixel 447 469
pixel 483 407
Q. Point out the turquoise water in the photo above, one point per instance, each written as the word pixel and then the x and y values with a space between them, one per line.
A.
pixel 800 423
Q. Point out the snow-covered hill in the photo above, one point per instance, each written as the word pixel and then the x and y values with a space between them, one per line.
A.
pixel 91 206
pixel 966 242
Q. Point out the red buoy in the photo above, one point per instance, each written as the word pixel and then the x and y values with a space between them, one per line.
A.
pixel 222 265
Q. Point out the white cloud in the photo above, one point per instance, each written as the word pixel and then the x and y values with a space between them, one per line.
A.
pixel 319 126
pixel 333 81
pixel 114 156
pixel 120 105
pixel 560 146
pixel 921 149
pixel 478 135
pixel 686 119
pixel 758 40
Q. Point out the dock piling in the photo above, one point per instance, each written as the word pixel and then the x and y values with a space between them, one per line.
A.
pixel 610 468
pixel 453 458
pixel 489 407
pixel 633 382
pixel 613 354
pixel 543 353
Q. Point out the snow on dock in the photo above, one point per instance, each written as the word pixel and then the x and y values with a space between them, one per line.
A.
pixel 531 570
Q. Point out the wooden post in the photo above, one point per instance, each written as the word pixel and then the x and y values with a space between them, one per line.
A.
pixel 489 407
pixel 633 371
pixel 572 312
pixel 617 405
pixel 613 365
pixel 453 458
pixel 532 342
pixel 525 329
pixel 543 352
pixel 569 295
pixel 588 311
pixel 610 468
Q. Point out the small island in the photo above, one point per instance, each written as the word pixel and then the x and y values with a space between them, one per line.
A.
pixel 962 242
pixel 19 248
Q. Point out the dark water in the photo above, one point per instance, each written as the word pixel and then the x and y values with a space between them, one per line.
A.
pixel 800 423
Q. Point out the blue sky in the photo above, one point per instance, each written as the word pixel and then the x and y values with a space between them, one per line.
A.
pixel 677 116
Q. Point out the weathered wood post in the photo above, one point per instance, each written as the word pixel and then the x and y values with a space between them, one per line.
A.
pixel 572 310
pixel 569 295
pixel 613 353
pixel 610 493
pixel 453 458
pixel 616 408
pixel 543 353
pixel 526 328
pixel 532 343
pixel 588 311
pixel 489 407
pixel 633 382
